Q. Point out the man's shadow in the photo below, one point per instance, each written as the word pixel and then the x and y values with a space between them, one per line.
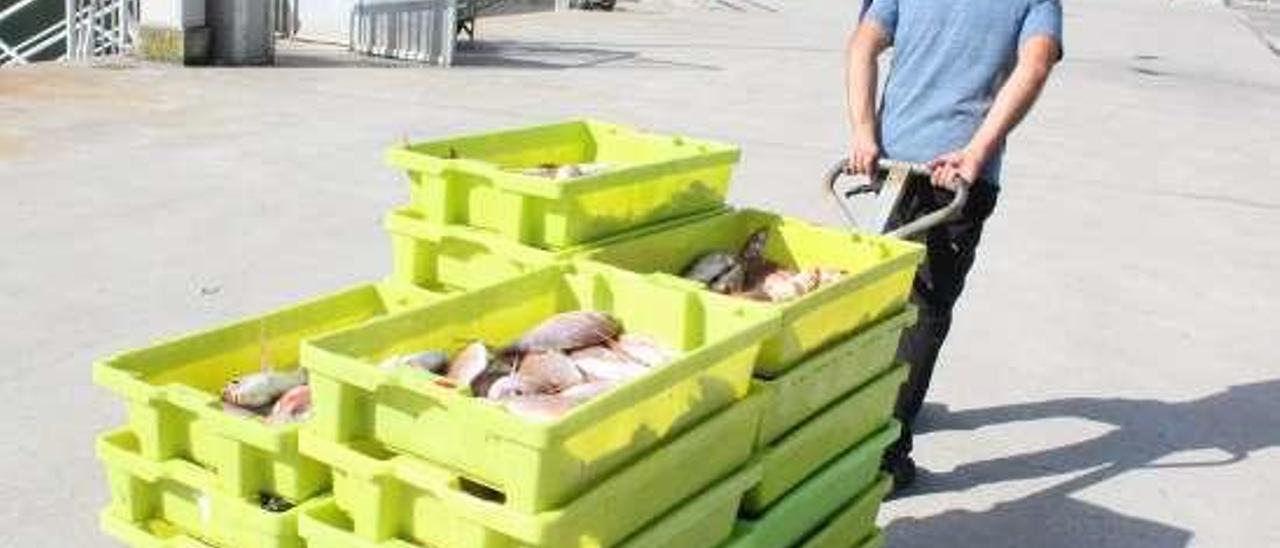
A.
pixel 1237 421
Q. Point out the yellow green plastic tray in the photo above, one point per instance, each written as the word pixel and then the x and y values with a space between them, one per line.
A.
pixel 812 503
pixel 792 458
pixel 704 521
pixel 536 466
pixel 874 540
pixel 879 281
pixel 176 503
pixel 809 387
pixel 449 258
pixel 382 497
pixel 855 521
pixel 172 390
pixel 474 180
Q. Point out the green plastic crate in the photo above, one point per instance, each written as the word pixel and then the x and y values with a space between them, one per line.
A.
pixel 387 497
pixel 879 281
pixel 172 390
pixel 855 521
pixel 448 258
pixel 810 505
pixel 705 521
pixel 798 454
pixel 138 536
pixel 177 503
pixel 809 387
pixel 469 181
pixel 536 466
pixel 874 540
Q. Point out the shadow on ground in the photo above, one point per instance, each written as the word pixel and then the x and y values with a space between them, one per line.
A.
pixel 559 56
pixel 1236 422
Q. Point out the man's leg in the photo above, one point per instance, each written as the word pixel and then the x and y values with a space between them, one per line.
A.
pixel 939 281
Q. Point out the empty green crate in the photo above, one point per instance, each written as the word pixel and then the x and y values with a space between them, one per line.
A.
pixel 382 498
pixel 177 503
pixel 536 466
pixel 792 458
pixel 172 390
pixel 880 271
pixel 814 502
pixel 475 180
pixel 809 387
pixel 449 258
pixel 853 522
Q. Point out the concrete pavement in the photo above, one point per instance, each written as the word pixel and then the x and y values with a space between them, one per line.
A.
pixel 1112 378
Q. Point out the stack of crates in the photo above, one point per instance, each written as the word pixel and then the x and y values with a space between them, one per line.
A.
pixel 828 375
pixel 765 431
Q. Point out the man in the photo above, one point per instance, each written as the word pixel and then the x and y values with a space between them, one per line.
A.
pixel 964 73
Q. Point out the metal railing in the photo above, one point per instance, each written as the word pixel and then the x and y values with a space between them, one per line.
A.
pixel 101 27
pixel 31 46
pixel 418 30
pixel 89 28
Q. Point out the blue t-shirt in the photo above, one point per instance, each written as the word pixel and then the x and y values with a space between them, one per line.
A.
pixel 950 59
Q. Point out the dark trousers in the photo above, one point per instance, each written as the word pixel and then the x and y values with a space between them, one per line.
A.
pixel 938 283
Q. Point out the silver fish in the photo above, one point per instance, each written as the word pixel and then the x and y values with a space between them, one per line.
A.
pixel 707 268
pixel 600 363
pixel 546 373
pixel 644 350
pixel 292 406
pixel 468 364
pixel 434 361
pixel 570 331
pixel 261 389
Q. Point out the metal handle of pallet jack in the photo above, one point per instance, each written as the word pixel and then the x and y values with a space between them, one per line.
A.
pixel 925 222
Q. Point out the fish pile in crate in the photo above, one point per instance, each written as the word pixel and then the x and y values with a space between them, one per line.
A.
pixel 578 345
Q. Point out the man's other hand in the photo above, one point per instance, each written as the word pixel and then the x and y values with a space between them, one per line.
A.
pixel 960 167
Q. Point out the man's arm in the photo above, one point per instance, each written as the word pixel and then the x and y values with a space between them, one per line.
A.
pixel 1036 58
pixel 861 78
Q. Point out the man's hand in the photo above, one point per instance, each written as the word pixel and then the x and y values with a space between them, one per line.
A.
pixel 960 167
pixel 863 153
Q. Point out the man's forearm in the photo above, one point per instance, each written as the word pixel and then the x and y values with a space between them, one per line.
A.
pixel 1015 98
pixel 861 78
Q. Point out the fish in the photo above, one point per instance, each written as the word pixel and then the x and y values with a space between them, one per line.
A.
pixel 434 361
pixel 730 273
pixel 274 503
pixel 785 285
pixel 600 363
pixel 546 372
pixel 569 331
pixel 468 363
pixel 261 389
pixel 586 391
pixel 644 350
pixel 710 266
pixel 540 407
pixel 503 388
pixel 564 172
pixel 490 382
pixel 731 280
pixel 292 406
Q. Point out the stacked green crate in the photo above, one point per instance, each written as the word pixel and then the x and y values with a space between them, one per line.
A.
pixel 177 421
pixel 419 460
pixel 828 375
